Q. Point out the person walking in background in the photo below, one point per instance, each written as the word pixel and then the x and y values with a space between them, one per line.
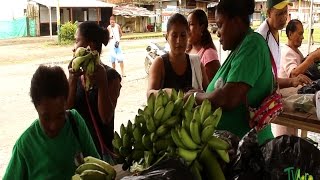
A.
pixel 277 11
pixel 116 52
pixel 49 148
pixel 97 105
pixel 200 42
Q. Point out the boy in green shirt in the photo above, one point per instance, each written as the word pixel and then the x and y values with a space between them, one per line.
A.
pixel 49 148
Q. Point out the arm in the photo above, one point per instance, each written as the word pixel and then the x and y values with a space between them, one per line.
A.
pixel 85 137
pixel 205 81
pixel 100 76
pixel 228 97
pixel 212 68
pixel 301 79
pixel 156 74
pixel 300 69
pixel 114 87
pixel 17 167
pixel 120 32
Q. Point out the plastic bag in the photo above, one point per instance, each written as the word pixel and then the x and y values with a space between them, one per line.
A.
pixel 291 157
pixel 300 102
pixel 167 169
pixel 249 162
pixel 310 88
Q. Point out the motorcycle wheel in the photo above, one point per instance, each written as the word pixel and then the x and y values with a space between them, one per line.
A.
pixel 147 64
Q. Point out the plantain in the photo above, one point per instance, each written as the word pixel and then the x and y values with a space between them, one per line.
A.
pixel 146 141
pixel 178 105
pixel 137 134
pixel 123 130
pixel 150 124
pixel 223 155
pixel 126 141
pixel 211 165
pixel 162 130
pixel 188 155
pixel 171 121
pixel 158 115
pixel 194 131
pixel 107 167
pixel 217 143
pixel 93 175
pixel 167 111
pixel 206 133
pixel 217 113
pixel 189 103
pixel 180 94
pixel 174 95
pixel 92 166
pixel 80 51
pixel 165 98
pixel 186 139
pixel 151 102
pixel 205 109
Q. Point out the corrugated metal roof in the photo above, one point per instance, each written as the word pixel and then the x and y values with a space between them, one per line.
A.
pixel 74 3
pixel 132 11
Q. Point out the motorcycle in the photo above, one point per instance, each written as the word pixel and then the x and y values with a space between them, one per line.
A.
pixel 154 50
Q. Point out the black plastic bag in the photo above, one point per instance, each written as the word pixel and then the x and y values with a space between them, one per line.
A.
pixel 249 162
pixel 310 88
pixel 290 156
pixel 167 169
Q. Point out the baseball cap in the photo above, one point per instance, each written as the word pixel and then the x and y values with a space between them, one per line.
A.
pixel 278 4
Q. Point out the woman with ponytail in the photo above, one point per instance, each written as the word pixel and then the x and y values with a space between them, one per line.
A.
pixel 200 42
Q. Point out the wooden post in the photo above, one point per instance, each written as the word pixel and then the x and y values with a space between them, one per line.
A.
pixel 38 20
pixel 71 15
pixel 50 22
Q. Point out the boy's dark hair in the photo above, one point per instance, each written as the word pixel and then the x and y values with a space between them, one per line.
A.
pixel 48 82
pixel 92 32
pixel 206 39
pixel 292 26
pixel 176 19
pixel 238 8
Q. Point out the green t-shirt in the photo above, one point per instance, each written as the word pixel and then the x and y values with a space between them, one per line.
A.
pixel 36 156
pixel 250 64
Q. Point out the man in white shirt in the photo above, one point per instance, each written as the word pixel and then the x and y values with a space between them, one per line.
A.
pixel 115 36
pixel 269 29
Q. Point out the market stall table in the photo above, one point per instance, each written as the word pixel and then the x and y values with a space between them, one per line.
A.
pixel 304 121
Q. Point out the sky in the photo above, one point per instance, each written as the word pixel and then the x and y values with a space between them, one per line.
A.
pixel 12 9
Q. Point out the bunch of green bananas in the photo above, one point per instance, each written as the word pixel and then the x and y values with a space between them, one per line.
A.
pixel 94 168
pixel 168 125
pixel 85 59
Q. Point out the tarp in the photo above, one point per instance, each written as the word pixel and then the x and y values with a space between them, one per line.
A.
pixel 16 28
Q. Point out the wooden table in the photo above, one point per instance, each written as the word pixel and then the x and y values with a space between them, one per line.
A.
pixel 299 120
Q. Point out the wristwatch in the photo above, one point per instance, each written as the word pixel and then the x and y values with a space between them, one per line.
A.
pixel 195 99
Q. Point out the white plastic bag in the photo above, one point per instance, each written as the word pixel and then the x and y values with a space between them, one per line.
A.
pixel 300 102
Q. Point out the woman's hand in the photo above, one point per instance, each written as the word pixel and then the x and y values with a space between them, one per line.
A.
pixel 73 76
pixel 301 79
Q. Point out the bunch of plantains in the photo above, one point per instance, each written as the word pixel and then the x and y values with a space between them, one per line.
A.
pixel 85 60
pixel 168 125
pixel 94 168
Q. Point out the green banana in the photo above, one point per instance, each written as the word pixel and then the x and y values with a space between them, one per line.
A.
pixel 217 143
pixel 176 138
pixel 147 111
pixel 188 155
pixel 150 102
pixel 129 128
pixel 211 120
pixel 186 139
pixel 140 112
pixel 167 111
pixel 124 151
pixel 186 122
pixel 206 133
pixel 137 134
pixel 137 155
pixel 150 124
pixel 197 164
pixel 217 113
pixel 117 140
pixel 159 100
pixel 80 51
pixel 93 174
pixel 224 155
pixel 92 166
pixel 139 119
pixel 189 103
pixel 165 98
pixel 174 95
pixel 153 137
pixel 205 109
pixel 90 68
pixel 148 158
pixel 126 141
pixel 196 115
pixel 171 121
pixel 146 141
pixel 77 62
pixel 178 105
pixel 107 167
pixel 76 177
pixel 123 130
pixel 211 165
pixel 180 94
pixel 158 114
pixel 195 172
pixel 194 131
pixel 138 145
pixel 162 130
pixel 161 144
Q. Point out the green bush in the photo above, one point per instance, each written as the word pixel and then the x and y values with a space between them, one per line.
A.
pixel 67 32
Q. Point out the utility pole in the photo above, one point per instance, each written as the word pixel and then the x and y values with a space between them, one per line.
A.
pixel 58 20
pixel 310 24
